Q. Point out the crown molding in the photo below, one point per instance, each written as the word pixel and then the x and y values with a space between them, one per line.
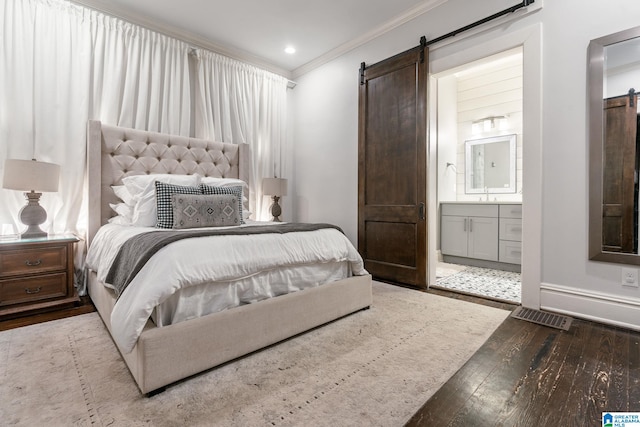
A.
pixel 185 36
pixel 399 20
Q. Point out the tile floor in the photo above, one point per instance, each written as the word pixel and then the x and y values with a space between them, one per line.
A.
pixel 502 285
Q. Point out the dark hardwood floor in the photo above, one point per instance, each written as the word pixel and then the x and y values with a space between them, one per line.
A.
pixel 532 375
pixel 85 306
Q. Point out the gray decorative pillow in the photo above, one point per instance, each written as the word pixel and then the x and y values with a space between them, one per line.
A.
pixel 164 192
pixel 216 210
pixel 235 190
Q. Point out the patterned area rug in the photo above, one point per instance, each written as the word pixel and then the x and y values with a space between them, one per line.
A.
pixel 375 367
pixel 503 285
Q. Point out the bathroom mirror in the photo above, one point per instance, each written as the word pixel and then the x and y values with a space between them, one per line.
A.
pixel 614 146
pixel 490 165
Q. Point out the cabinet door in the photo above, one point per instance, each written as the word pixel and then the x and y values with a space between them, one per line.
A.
pixel 453 235
pixel 510 252
pixel 483 238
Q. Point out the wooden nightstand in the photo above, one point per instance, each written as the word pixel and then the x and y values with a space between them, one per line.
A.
pixel 36 275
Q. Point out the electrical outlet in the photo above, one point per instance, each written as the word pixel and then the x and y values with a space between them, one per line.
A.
pixel 630 277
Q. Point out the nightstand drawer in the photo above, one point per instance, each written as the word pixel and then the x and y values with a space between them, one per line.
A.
pixel 31 261
pixel 16 291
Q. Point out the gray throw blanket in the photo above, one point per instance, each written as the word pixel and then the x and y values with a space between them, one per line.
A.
pixel 136 251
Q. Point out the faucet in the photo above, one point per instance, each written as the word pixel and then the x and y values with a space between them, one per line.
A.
pixel 486 193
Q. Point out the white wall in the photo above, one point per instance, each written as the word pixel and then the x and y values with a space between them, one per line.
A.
pixel 325 124
pixel 447 130
pixel 491 89
pixel 570 281
pixel 325 145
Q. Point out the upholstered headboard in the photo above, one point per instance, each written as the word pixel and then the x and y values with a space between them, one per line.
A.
pixel 115 152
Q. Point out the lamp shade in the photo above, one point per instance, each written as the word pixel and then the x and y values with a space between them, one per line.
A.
pixel 274 187
pixel 27 175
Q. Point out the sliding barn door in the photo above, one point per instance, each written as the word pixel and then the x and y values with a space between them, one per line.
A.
pixel 619 169
pixel 392 162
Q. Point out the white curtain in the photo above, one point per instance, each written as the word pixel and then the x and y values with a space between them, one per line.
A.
pixel 61 64
pixel 140 78
pixel 240 103
pixel 44 101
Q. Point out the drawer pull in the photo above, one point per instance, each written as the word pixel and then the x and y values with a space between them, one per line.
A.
pixel 33 290
pixel 33 264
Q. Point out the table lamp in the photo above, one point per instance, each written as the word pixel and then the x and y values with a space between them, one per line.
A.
pixel 31 176
pixel 276 188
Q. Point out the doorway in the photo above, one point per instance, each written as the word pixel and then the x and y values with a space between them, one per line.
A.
pixel 479 111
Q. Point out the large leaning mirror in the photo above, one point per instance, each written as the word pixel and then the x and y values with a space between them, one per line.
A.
pixel 614 147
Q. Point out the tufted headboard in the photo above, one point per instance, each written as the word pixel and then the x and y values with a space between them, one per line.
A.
pixel 115 152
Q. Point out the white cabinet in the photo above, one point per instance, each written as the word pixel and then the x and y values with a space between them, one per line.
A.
pixel 470 231
pixel 482 232
pixel 486 231
pixel 510 234
pixel 455 236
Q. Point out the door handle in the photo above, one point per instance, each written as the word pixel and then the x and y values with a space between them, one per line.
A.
pixel 464 227
pixel 421 211
pixel 470 225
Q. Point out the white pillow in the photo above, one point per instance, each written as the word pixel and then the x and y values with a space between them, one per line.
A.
pixel 120 220
pixel 122 209
pixel 124 213
pixel 230 182
pixel 123 194
pixel 143 191
pixel 222 182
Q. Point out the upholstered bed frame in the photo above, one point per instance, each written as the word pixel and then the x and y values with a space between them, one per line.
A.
pixel 171 353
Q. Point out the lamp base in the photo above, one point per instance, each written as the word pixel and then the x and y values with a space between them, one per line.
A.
pixel 32 215
pixel 33 232
pixel 276 210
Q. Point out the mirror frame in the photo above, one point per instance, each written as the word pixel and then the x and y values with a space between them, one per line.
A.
pixel 468 144
pixel 595 116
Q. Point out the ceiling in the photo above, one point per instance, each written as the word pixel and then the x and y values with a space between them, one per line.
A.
pixel 258 31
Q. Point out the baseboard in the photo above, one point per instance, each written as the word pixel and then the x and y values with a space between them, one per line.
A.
pixel 595 306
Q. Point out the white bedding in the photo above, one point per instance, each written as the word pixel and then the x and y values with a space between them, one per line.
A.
pixel 233 267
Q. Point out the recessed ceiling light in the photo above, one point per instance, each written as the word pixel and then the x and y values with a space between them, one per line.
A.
pixel 290 50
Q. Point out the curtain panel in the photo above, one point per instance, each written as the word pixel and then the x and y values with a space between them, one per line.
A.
pixel 44 81
pixel 239 103
pixel 61 64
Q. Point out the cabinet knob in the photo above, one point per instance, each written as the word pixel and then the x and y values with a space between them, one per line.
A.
pixel 33 264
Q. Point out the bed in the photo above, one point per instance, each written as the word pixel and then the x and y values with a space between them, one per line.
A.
pixel 163 355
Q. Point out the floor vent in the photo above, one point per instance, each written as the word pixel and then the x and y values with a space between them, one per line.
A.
pixel 542 318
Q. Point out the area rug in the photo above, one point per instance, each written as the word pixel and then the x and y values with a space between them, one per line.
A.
pixel 499 284
pixel 375 367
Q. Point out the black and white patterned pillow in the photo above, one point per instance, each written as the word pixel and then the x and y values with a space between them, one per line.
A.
pixel 235 190
pixel 164 192
pixel 204 210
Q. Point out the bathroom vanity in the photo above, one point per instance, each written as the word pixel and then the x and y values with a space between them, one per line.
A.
pixel 482 234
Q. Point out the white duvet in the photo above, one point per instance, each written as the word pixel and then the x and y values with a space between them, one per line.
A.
pixel 191 262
